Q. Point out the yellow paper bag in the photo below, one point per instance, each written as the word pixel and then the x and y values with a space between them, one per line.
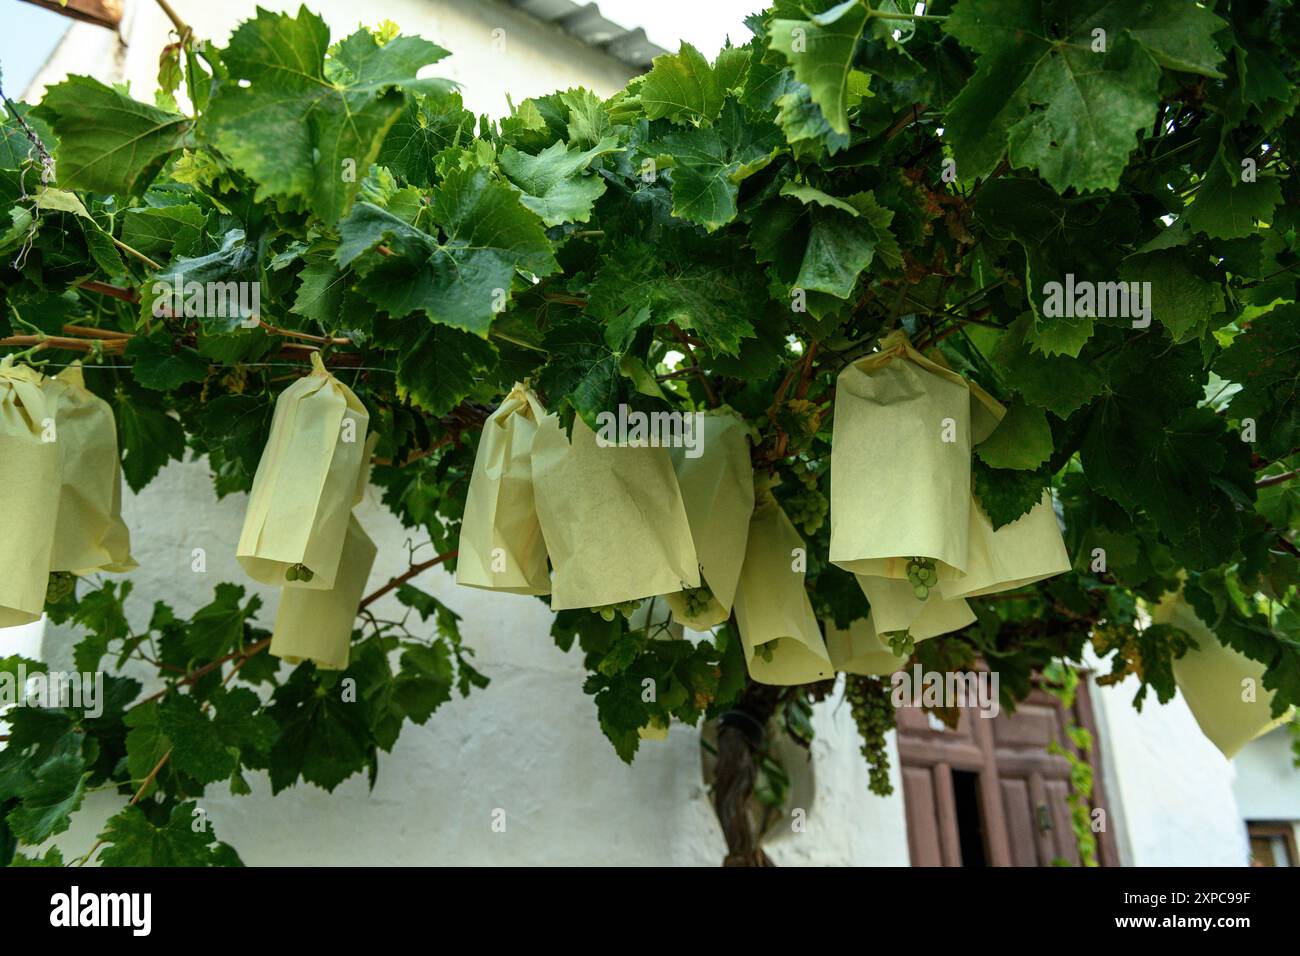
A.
pixel 612 518
pixel 902 435
pixel 718 490
pixel 317 625
pixel 501 546
pixel 90 534
pixel 782 640
pixel 860 650
pixel 894 607
pixel 1215 678
pixel 303 491
pixel 653 731
pixel 30 477
pixel 1028 549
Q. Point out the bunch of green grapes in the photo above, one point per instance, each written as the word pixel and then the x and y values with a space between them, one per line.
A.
pixel 697 599
pixel 873 713
pixel 626 608
pixel 59 586
pixel 922 576
pixel 807 508
pixel 299 572
pixel 900 642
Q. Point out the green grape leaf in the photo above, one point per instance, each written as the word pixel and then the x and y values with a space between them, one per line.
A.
pixel 582 372
pixel 555 183
pixel 1041 95
pixel 681 87
pixel 132 839
pixel 1006 494
pixel 1061 385
pixel 101 613
pixel 1265 361
pixel 324 293
pixel 108 142
pixel 197 749
pixel 820 243
pixel 1150 449
pixel 1067 244
pixel 1022 440
pixel 427 126
pixel 462 278
pixel 588 121
pixel 708 165
pixel 304 126
pixel 323 738
pixel 425 681
pixel 146 744
pixel 47 806
pixel 1178 35
pixel 437 366
pixel 1180 300
pixel 162 231
pixel 217 628
pixel 51 857
pixel 820 52
pixel 692 285
pixel 233 433
pixel 1224 208
pixel 158 364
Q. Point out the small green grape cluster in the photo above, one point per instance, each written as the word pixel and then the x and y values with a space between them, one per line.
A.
pixel 873 713
pixel 922 576
pixel 299 572
pixel 626 608
pixel 697 599
pixel 59 586
pixel 900 642
pixel 807 508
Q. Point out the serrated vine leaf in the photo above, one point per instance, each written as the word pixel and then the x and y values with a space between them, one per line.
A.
pixel 1045 98
pixel 820 52
pixel 51 800
pixel 708 165
pixel 556 183
pixel 132 839
pixel 462 277
pixel 681 87
pixel 822 243
pixel 109 142
pixel 304 126
pixel 1022 440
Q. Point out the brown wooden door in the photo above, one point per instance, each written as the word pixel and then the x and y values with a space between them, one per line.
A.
pixel 988 793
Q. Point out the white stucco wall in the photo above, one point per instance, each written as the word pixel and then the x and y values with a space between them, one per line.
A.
pixel 526 58
pixel 1170 789
pixel 528 744
pixel 1267 784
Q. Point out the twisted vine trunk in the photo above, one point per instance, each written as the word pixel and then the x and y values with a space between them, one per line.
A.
pixel 740 744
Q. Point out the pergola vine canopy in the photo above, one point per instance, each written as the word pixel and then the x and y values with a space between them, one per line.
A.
pixel 1063 234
